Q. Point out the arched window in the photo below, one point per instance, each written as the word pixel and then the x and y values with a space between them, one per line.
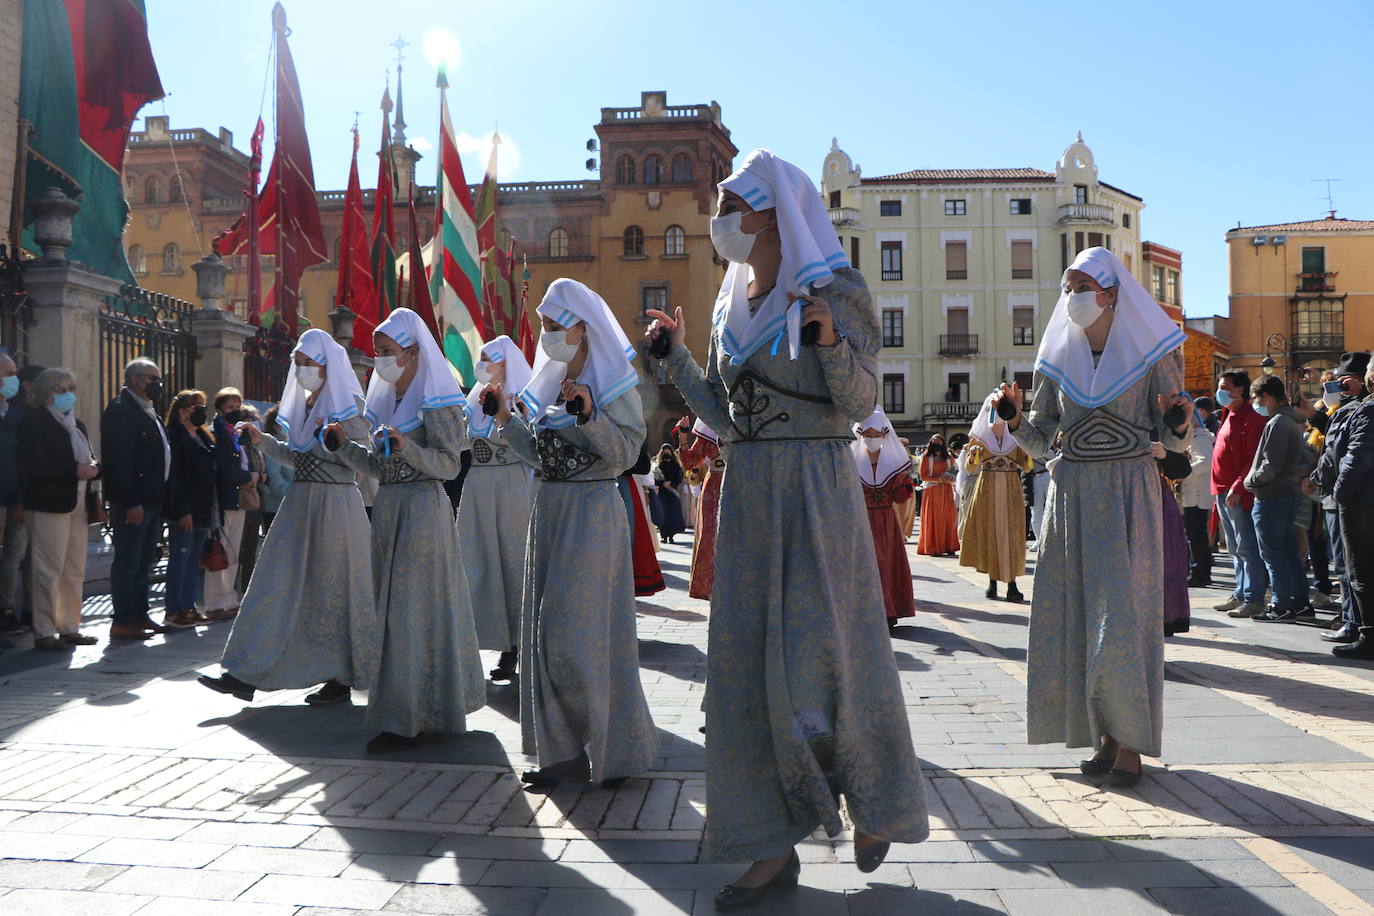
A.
pixel 171 258
pixel 174 191
pixel 138 261
pixel 653 170
pixel 682 169
pixel 625 170
pixel 558 243
pixel 634 241
pixel 675 241
pixel 152 190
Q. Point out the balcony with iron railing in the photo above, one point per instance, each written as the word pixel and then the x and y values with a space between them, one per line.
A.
pixel 958 344
pixel 956 274
pixel 1086 213
pixel 1318 343
pixel 950 411
pixel 1317 282
pixel 845 218
pixel 1022 273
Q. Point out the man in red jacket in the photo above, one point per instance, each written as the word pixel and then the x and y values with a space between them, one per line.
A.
pixel 1237 440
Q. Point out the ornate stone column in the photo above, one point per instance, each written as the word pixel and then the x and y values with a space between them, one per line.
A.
pixel 219 334
pixel 341 328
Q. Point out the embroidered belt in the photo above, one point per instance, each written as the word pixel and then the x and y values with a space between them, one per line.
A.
pixel 1103 436
pixel 483 453
pixel 718 464
pixel 311 469
pixel 397 470
pixel 1000 463
pixel 560 459
pixel 752 399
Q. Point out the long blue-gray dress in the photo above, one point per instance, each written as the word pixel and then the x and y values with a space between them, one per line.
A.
pixel 803 701
pixel 430 677
pixel 493 523
pixel 1095 662
pixel 308 615
pixel 579 652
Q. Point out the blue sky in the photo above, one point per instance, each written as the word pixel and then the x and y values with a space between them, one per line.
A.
pixel 1213 112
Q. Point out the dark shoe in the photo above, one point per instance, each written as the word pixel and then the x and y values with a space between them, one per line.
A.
pixel 892 623
pixel 1347 633
pixel 76 639
pixel 154 628
pixel 1199 583
pixel 388 742
pixel 179 620
pixel 122 632
pixel 10 625
pixel 871 856
pixel 733 897
pixel 505 667
pixel 227 683
pixel 50 644
pixel 1014 594
pixel 1360 648
pixel 1094 768
pixel 576 770
pixel 1276 615
pixel 1121 779
pixel 992 591
pixel 332 692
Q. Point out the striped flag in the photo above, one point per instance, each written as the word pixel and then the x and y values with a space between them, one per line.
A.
pixel 455 277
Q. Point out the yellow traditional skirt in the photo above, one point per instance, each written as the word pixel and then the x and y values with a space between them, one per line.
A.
pixel 993 537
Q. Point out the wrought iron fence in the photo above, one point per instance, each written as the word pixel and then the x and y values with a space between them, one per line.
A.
pixel 15 309
pixel 137 322
pixel 266 360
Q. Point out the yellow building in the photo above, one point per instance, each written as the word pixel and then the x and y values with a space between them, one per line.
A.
pixel 1301 294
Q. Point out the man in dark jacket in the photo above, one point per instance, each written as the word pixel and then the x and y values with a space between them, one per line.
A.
pixel 1354 494
pixel 137 461
pixel 11 502
pixel 14 545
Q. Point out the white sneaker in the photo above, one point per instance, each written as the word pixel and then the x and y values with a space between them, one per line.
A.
pixel 1248 609
pixel 1229 605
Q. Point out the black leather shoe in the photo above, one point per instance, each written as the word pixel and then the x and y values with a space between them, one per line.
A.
pixel 734 897
pixel 576 770
pixel 871 856
pixel 332 692
pixel 387 742
pixel 1360 648
pixel 505 667
pixel 1121 779
pixel 1014 594
pixel 992 591
pixel 227 683
pixel 1347 633
pixel 1094 768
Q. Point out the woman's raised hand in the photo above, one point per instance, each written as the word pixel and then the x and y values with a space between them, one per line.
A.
pixel 502 415
pixel 252 432
pixel 674 327
pixel 817 311
pixel 1011 393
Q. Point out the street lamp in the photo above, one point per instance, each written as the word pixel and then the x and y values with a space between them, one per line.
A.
pixel 1277 343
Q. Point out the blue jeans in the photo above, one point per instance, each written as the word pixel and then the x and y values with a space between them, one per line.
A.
pixel 183 567
pixel 1252 579
pixel 132 566
pixel 1278 546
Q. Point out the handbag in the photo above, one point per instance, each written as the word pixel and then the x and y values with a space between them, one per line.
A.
pixel 213 557
pixel 95 508
pixel 250 500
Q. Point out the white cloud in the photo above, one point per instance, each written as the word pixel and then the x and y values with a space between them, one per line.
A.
pixel 421 145
pixel 441 46
pixel 477 152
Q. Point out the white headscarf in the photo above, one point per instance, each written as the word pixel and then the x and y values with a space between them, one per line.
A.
pixel 892 459
pixel 1141 334
pixel 501 350
pixel 699 428
pixel 609 371
pixel 340 399
pixel 433 386
pixel 811 253
pixel 982 430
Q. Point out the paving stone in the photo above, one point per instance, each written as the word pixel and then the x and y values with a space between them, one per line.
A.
pixel 493 847
pixel 628 851
pixel 320 863
pixel 615 902
pixel 1131 874
pixel 1040 851
pixel 1185 850
pixel 983 875
pixel 231 834
pixel 1237 901
pixel 909 901
pixel 18 845
pixel 34 902
pixel 172 906
pixel 417 869
pixel 436 898
pixel 1081 902
pixel 554 874
pixel 351 839
pixel 133 828
pixel 1241 873
pixel 809 901
pixel 69 876
pixel 337 892
pixel 172 853
pixel 200 883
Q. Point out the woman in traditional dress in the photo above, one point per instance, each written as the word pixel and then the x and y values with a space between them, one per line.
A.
pixel 883 464
pixel 992 538
pixel 668 477
pixel 803 701
pixel 907 512
pixel 1105 375
pixel 939 516
pixel 494 515
pixel 309 616
pixel 644 541
pixel 582 707
pixel 704 451
pixel 430 678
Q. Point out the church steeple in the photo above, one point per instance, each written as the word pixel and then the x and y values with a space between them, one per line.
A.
pixel 398 130
pixel 403 156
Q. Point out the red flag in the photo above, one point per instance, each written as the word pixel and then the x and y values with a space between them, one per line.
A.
pixel 526 341
pixel 420 302
pixel 385 296
pixel 354 285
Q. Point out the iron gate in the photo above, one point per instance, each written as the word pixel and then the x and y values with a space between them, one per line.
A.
pixel 266 360
pixel 15 312
pixel 136 322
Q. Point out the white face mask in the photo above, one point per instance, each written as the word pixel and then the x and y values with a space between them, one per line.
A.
pixel 555 345
pixel 483 372
pixel 1083 308
pixel 389 369
pixel 732 243
pixel 309 377
pixel 873 445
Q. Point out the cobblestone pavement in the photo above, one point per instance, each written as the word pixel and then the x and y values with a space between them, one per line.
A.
pixel 125 788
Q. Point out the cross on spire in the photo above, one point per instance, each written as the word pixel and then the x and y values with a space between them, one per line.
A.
pixel 399 129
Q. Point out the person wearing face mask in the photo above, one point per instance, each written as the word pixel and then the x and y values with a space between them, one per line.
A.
pixel 233 470
pixel 1233 454
pixel 704 451
pixel 494 515
pixel 137 464
pixel 939 516
pixel 1273 479
pixel 309 616
pixel 11 493
pixel 1353 490
pixel 189 505
pixel 668 478
pixel 883 464
pixel 803 703
pixel 1108 377
pixel 57 465
pixel 992 538
pixel 430 677
pixel 582 706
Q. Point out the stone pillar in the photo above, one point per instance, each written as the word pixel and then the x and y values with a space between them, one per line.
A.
pixel 219 334
pixel 341 329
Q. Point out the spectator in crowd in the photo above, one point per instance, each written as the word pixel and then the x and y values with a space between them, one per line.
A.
pixel 189 505
pixel 232 471
pixel 1273 479
pixel 251 506
pixel 56 464
pixel 279 476
pixel 1354 493
pixel 11 495
pixel 1195 499
pixel 1207 414
pixel 14 545
pixel 1236 442
pixel 1333 423
pixel 138 461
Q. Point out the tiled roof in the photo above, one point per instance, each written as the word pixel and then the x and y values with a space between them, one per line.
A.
pixel 1314 225
pixel 933 176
